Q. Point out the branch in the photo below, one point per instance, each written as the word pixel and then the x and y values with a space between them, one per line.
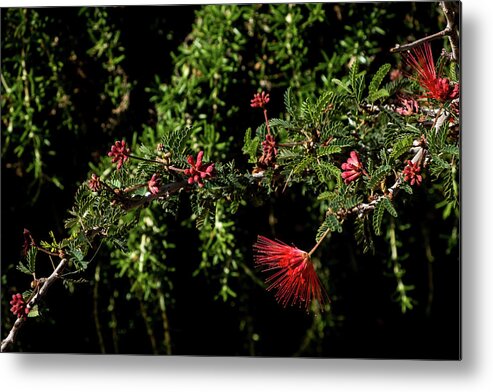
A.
pixel 164 192
pixel 365 208
pixel 10 339
pixel 450 11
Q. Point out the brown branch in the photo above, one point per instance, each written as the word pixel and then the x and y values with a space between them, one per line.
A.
pixel 401 48
pixel 451 31
pixel 10 339
pixel 165 191
pixel 451 11
pixel 365 208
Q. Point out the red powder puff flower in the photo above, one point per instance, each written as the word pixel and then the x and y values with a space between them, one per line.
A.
pixel 19 307
pixel 153 184
pixel 95 183
pixel 198 170
pixel 260 100
pixel 119 152
pixel 421 60
pixel 411 173
pixel 353 168
pixel 294 278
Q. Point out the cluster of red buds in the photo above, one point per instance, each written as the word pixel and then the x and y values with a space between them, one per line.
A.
pixel 119 152
pixel 408 106
pixel 411 173
pixel 269 151
pixel 153 184
pixel 19 307
pixel 198 170
pixel 260 100
pixel 94 183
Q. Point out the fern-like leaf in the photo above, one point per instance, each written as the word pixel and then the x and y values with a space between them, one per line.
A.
pixel 377 218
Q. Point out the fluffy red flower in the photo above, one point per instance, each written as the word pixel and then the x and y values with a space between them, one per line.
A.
pixel 153 184
pixel 119 152
pixel 353 168
pixel 421 60
pixel 411 173
pixel 19 307
pixel 260 100
pixel 198 171
pixel 294 278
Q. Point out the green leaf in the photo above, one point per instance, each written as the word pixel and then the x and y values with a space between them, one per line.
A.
pixel 362 232
pixel 389 207
pixel 378 217
pixel 328 150
pixel 401 147
pixel 406 188
pixel 359 88
pixel 353 74
pixel 331 223
pixel 23 268
pixel 34 312
pixel 377 79
pixel 340 84
pixel 352 201
pixel 382 93
pixel 31 258
pixel 289 104
pixel 327 196
pixel 378 175
pixel 250 146
pixel 451 149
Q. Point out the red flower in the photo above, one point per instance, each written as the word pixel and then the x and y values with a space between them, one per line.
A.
pixel 198 170
pixel 152 184
pixel 19 307
pixel 353 168
pixel 260 100
pixel 421 60
pixel 95 183
pixel 119 152
pixel 294 277
pixel 269 151
pixel 408 106
pixel 411 173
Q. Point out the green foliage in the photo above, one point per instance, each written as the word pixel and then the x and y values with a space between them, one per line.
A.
pixel 29 267
pixel 43 72
pixel 374 93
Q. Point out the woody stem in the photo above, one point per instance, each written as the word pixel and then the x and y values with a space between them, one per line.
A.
pixel 267 121
pixel 143 159
pixel 319 242
pixel 176 169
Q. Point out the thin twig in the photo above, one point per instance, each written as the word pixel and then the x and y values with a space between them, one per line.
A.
pixel 401 48
pixel 10 339
pixel 164 192
pixel 451 31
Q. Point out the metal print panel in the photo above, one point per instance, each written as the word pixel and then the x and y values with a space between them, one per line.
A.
pixel 232 180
